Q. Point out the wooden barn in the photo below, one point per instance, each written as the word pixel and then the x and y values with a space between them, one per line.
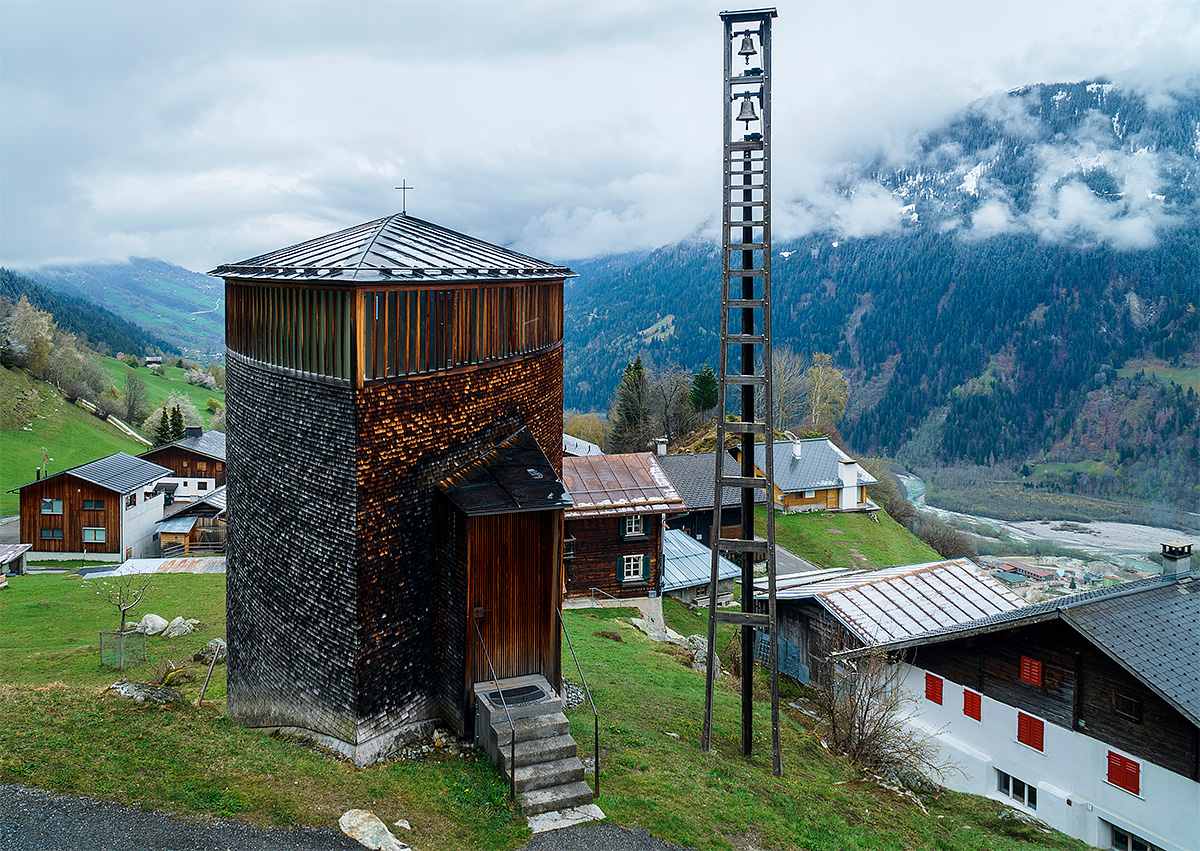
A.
pixel 395 504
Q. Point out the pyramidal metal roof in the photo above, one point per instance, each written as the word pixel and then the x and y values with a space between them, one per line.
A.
pixel 397 248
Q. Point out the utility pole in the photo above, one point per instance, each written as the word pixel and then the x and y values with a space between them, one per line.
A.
pixel 746 257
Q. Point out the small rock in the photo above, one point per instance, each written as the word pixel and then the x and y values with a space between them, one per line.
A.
pixel 673 735
pixel 216 645
pixel 366 829
pixel 176 628
pixel 403 824
pixel 177 677
pixel 152 624
pixel 143 693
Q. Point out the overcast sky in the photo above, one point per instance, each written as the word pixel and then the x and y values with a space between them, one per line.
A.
pixel 204 133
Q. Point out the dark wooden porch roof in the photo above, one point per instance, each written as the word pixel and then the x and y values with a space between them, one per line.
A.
pixel 515 476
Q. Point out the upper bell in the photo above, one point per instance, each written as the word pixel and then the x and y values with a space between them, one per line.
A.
pixel 747 48
pixel 747 114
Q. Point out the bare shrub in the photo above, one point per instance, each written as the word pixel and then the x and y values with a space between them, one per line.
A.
pixel 863 708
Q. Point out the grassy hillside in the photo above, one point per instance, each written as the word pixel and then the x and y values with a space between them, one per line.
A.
pixel 59 731
pixel 159 387
pixel 848 540
pixel 72 435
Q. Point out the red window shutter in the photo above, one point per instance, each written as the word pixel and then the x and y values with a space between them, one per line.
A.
pixel 1031 731
pixel 972 705
pixel 1124 772
pixel 933 688
pixel 1031 671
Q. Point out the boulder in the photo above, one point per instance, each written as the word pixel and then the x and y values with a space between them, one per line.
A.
pixel 152 624
pixel 144 693
pixel 217 645
pixel 698 646
pixel 177 627
pixel 365 828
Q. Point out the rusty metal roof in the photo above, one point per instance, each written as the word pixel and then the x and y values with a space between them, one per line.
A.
pixel 611 485
pixel 8 552
pixel 892 603
pixel 515 476
pixel 395 249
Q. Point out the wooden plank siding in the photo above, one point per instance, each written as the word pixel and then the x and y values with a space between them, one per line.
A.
pixel 1078 682
pixel 72 491
pixel 599 548
pixel 187 463
pixel 513 576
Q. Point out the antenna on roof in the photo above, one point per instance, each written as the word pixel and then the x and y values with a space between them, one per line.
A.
pixel 404 187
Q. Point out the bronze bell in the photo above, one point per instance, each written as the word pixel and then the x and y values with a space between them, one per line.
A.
pixel 747 48
pixel 747 114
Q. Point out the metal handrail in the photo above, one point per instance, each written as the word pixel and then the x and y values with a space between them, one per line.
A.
pixel 602 591
pixel 587 691
pixel 512 758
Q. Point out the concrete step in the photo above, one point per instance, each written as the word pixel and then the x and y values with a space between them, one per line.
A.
pixel 543 775
pixel 540 750
pixel 528 728
pixel 563 797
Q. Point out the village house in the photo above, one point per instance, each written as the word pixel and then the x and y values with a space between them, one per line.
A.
pixel 197 464
pixel 198 527
pixel 826 611
pixel 106 507
pixel 694 476
pixel 395 504
pixel 687 570
pixel 812 474
pixel 615 524
pixel 1083 711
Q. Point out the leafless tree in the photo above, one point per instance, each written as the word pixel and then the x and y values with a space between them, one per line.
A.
pixel 670 385
pixel 787 387
pixel 863 711
pixel 125 592
pixel 826 392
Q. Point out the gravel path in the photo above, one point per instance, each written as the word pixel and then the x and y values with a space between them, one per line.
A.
pixel 36 820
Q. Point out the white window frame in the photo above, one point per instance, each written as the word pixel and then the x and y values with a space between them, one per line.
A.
pixel 94 539
pixel 1006 786
pixel 810 494
pixel 633 525
pixel 635 567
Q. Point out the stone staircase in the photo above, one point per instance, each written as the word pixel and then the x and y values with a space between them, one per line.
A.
pixel 547 770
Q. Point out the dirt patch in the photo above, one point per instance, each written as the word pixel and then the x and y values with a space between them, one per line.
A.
pixel 833 530
pixel 608 633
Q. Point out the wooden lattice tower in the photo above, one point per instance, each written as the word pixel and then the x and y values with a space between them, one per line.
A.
pixel 746 258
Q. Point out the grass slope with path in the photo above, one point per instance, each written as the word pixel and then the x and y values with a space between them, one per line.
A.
pixel 59 730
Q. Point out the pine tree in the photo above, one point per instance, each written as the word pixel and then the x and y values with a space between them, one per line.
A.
pixel 178 430
pixel 162 432
pixel 703 394
pixel 631 417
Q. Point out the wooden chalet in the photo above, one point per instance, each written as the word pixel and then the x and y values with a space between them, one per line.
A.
pixel 814 475
pixel 1083 711
pixel 395 507
pixel 613 543
pixel 107 506
pixel 197 463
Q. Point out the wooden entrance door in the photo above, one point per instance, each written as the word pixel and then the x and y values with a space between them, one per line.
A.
pixel 513 575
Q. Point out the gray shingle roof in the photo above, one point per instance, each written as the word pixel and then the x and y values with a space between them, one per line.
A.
pixel 817 466
pixel 119 472
pixel 1149 627
pixel 210 443
pixel 695 477
pixel 394 249
pixel 688 563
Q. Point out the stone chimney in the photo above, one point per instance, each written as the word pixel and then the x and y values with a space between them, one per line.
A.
pixel 192 431
pixel 1177 559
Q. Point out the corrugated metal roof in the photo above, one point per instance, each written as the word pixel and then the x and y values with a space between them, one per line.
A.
pixel 619 484
pixel 579 447
pixel 394 249
pixel 817 466
pixel 695 477
pixel 515 476
pixel 906 600
pixel 688 563
pixel 176 525
pixel 119 472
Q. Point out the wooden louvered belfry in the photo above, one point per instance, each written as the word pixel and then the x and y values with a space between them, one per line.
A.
pixel 746 328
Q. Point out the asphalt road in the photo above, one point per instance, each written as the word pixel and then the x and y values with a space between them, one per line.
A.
pixel 35 820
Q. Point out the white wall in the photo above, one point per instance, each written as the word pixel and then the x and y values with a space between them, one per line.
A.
pixel 1070 774
pixel 189 487
pixel 137 524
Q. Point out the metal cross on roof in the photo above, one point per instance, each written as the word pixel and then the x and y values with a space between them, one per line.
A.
pixel 404 187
